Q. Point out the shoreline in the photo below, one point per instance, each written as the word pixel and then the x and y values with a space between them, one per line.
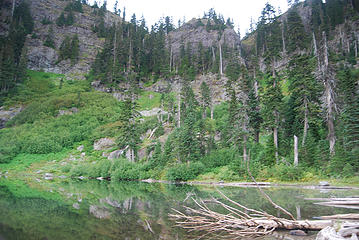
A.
pixel 304 185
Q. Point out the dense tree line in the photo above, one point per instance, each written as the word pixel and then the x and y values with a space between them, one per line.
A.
pixel 13 58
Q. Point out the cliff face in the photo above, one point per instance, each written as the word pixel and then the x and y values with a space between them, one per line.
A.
pixel 341 38
pixel 194 33
pixel 46 58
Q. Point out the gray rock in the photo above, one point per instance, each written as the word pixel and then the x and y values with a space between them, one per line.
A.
pixel 324 184
pixel 99 212
pixel 103 144
pixel 298 233
pixel 6 115
pixel 62 177
pixel 152 112
pixel 48 175
pixel 142 153
pixel 81 177
pixel 328 233
pixel 115 154
pixel 76 206
pixel 80 148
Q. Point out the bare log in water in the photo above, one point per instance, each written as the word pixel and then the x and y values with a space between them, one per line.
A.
pixel 350 216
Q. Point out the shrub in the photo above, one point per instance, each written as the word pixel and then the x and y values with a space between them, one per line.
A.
pixel 126 171
pixel 219 158
pixel 283 172
pixel 348 170
pixel 184 172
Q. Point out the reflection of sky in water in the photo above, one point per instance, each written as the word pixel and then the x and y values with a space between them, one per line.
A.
pixel 105 210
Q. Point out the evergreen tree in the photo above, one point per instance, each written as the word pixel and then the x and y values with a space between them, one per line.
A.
pixel 206 98
pixel 49 40
pixel 129 133
pixel 305 92
pixel 60 21
pixel 271 110
pixel 75 49
pixel 349 117
pixel 296 35
pixel 70 19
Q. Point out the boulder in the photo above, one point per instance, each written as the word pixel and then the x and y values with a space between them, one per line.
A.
pixel 80 148
pixel 298 233
pixel 6 115
pixel 324 184
pixel 115 154
pixel 328 233
pixel 98 212
pixel 103 144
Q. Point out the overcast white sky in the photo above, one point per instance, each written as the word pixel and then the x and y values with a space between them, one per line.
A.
pixel 240 11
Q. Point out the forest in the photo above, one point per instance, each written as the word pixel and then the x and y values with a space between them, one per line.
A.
pixel 291 90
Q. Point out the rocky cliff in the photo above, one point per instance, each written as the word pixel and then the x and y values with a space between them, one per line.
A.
pixel 45 58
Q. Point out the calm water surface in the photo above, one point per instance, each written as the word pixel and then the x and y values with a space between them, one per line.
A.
pixel 68 209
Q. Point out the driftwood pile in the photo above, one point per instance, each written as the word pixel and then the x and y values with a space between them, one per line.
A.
pixel 239 222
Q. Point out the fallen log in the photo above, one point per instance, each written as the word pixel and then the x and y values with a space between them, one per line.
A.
pixel 351 216
pixel 338 206
pixel 333 199
pixel 341 203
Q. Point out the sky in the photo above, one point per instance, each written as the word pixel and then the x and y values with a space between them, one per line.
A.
pixel 240 11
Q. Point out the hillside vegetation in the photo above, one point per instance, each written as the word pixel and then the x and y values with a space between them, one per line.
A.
pixel 294 76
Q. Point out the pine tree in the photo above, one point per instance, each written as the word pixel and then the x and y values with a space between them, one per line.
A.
pixel 272 106
pixel 129 133
pixel 75 49
pixel 206 98
pixel 296 35
pixel 49 40
pixel 305 92
pixel 349 117
pixel 60 21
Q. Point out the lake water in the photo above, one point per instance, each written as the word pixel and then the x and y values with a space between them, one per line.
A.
pixel 68 209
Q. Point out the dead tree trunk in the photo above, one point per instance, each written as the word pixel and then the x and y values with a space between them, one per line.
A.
pixel 283 40
pixel 220 59
pixel 245 158
pixel 329 97
pixel 179 110
pixel 13 8
pixel 295 150
pixel 306 125
pixel 213 56
pixel 114 52
pixel 275 139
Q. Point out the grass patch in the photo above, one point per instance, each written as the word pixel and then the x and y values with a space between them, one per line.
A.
pixel 149 100
pixel 22 161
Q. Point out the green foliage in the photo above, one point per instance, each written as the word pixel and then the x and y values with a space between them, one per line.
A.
pixel 12 52
pixel 284 172
pixel 40 129
pixel 65 21
pixel 46 21
pixel 75 6
pixel 49 40
pixel 296 36
pixel 184 171
pixel 70 49
pixel 218 158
